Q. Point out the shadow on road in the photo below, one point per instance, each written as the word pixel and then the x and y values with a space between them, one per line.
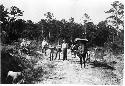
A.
pixel 102 65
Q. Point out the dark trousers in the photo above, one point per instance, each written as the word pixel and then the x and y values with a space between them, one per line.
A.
pixel 58 52
pixel 82 59
pixel 65 54
pixel 51 54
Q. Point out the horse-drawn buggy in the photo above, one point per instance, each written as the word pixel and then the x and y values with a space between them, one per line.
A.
pixel 80 49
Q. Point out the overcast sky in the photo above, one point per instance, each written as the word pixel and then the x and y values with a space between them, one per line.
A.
pixel 34 9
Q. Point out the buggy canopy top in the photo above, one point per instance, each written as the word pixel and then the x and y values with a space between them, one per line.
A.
pixel 82 40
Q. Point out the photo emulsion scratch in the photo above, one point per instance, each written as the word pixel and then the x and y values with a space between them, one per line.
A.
pixel 62 42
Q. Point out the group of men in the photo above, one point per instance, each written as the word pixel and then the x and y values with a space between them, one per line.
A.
pixel 58 49
pixel 81 51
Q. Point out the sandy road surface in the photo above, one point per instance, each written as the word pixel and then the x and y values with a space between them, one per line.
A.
pixel 70 72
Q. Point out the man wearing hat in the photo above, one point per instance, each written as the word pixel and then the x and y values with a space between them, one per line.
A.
pixel 64 50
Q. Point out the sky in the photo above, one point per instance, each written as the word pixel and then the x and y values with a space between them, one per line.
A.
pixel 62 9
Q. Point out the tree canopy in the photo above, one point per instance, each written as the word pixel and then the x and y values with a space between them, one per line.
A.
pixel 55 30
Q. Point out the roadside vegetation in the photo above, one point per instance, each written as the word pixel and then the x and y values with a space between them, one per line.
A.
pixel 107 36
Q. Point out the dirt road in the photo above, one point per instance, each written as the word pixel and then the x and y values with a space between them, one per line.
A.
pixel 70 72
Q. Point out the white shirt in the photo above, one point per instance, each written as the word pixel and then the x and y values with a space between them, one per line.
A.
pixel 44 43
pixel 64 45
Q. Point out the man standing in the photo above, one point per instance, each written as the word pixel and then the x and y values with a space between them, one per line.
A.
pixel 64 50
pixel 44 44
pixel 58 48
pixel 51 47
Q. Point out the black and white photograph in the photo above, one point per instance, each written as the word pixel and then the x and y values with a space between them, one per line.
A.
pixel 79 42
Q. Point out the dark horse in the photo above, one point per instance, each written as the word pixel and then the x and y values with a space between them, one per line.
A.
pixel 82 51
pixel 82 55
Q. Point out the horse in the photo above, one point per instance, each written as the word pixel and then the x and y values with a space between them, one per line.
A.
pixel 82 52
